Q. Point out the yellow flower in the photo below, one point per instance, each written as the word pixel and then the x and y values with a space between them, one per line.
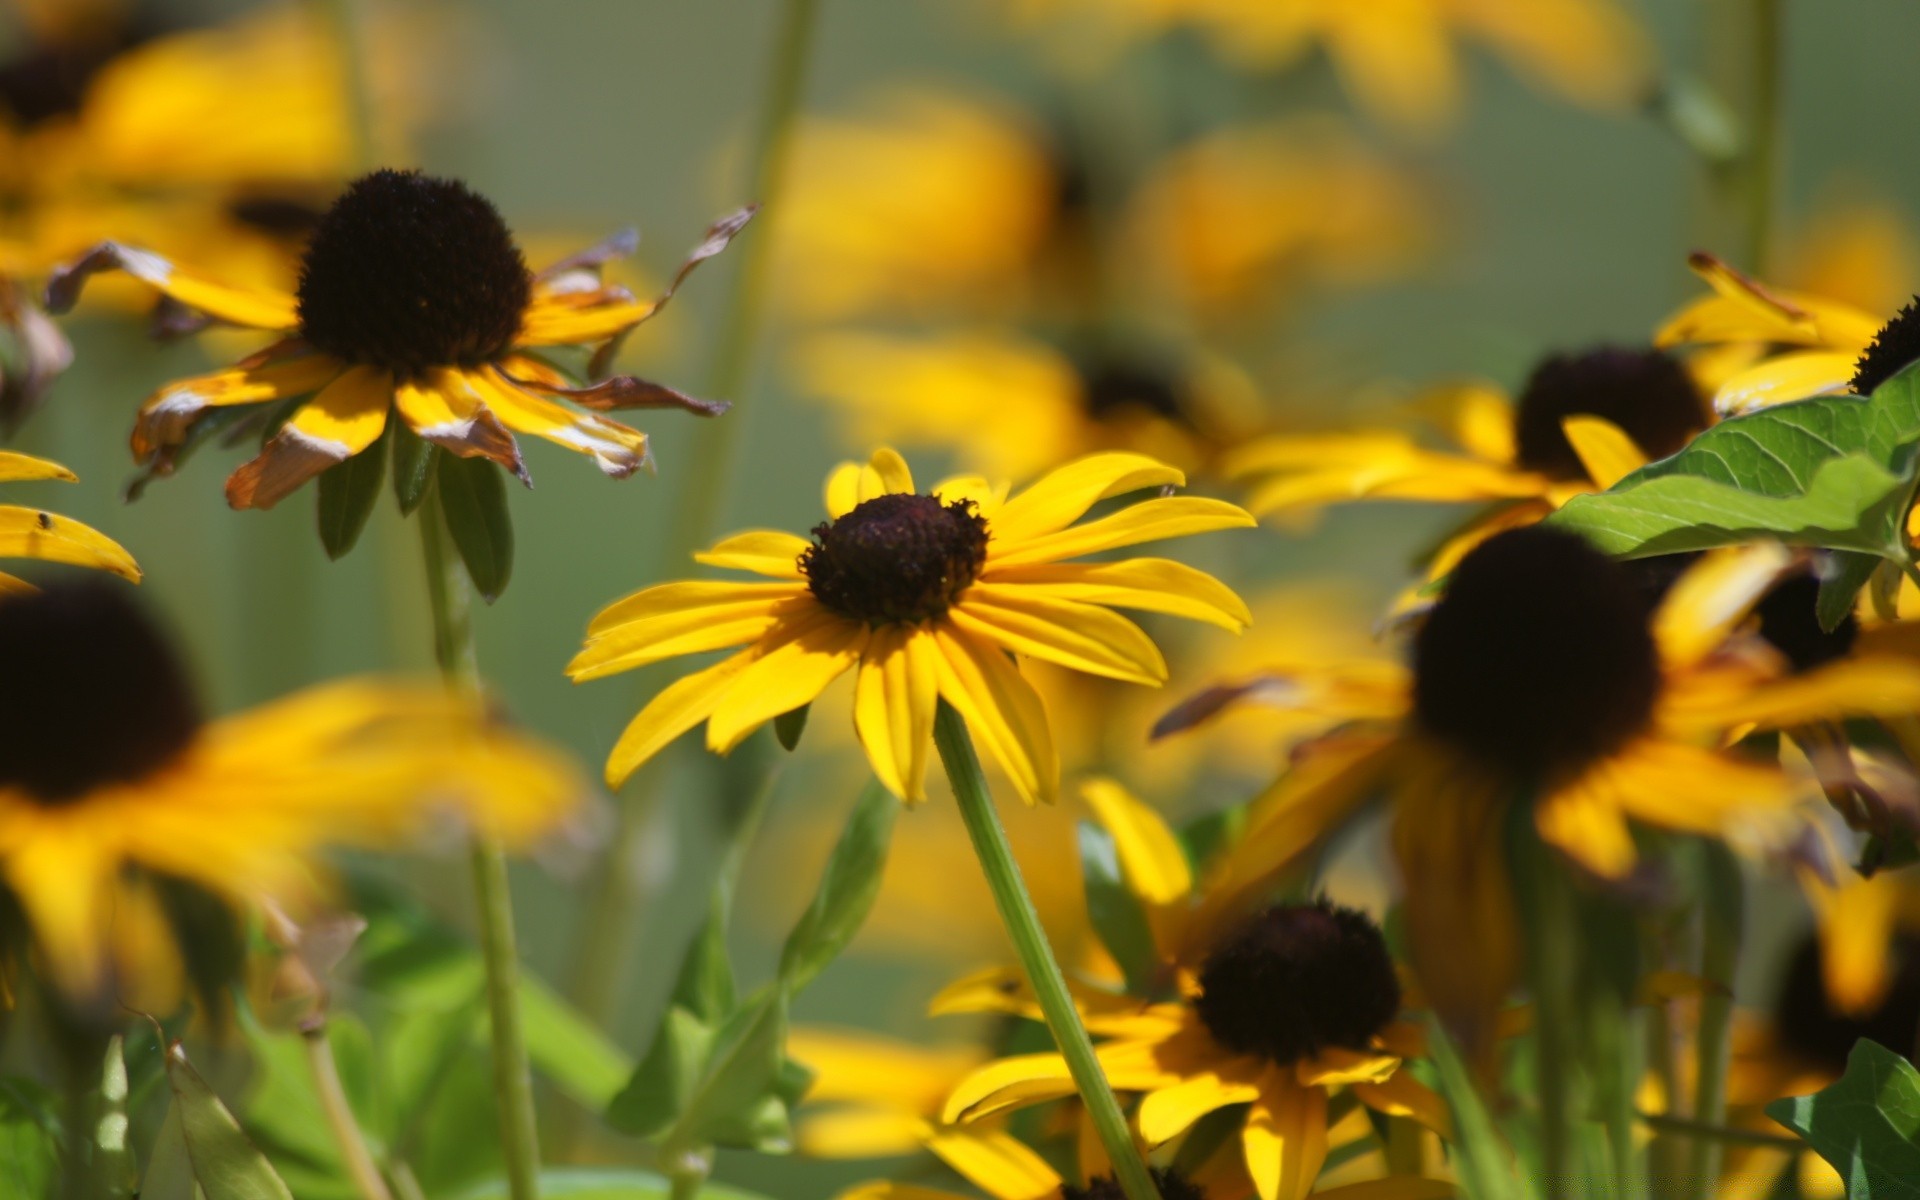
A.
pixel 1013 407
pixel 1276 1012
pixel 36 533
pixel 413 300
pixel 114 787
pixel 928 596
pixel 872 1097
pixel 1541 674
pixel 1397 56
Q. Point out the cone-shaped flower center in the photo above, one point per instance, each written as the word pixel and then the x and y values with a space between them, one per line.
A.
pixel 407 272
pixel 1647 394
pixel 1113 387
pixel 1808 1023
pixel 1299 979
pixel 93 694
pixel 1539 658
pixel 1789 622
pixel 1893 348
pixel 896 559
pixel 1172 1184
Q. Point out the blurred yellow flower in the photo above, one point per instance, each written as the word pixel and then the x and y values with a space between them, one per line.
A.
pixel 414 299
pixel 928 596
pixel 36 533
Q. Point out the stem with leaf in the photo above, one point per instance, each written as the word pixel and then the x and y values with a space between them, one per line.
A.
pixel 361 1169
pixel 449 599
pixel 1036 956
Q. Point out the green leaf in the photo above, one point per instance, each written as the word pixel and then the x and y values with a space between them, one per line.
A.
pixel 169 1174
pixel 569 1049
pixel 729 1106
pixel 1481 1157
pixel 1848 572
pixel 663 1085
pixel 789 725
pixel 413 458
pixel 348 492
pixel 225 1164
pixel 1114 910
pixel 1834 471
pixel 29 1139
pixel 847 890
pixel 603 1183
pixel 474 497
pixel 1867 1124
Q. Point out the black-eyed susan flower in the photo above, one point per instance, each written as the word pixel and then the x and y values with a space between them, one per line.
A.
pixel 1542 673
pixel 114 788
pixel 36 533
pixel 414 301
pixel 1009 1170
pixel 926 597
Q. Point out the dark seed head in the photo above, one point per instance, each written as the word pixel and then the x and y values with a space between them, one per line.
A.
pixel 1114 386
pixel 1647 394
pixel 1892 349
pixel 1539 658
pixel 93 694
pixel 896 559
pixel 1789 624
pixel 407 272
pixel 279 216
pixel 1172 1185
pixel 1297 980
pixel 1806 1022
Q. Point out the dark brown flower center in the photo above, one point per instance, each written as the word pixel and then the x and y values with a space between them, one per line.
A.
pixel 1538 660
pixel 407 272
pixel 1807 1022
pixel 1895 347
pixel 1646 393
pixel 92 692
pixel 896 559
pixel 1299 979
pixel 1114 386
pixel 1790 624
pixel 1172 1184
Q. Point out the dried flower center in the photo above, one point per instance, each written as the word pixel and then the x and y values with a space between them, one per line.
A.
pixel 46 80
pixel 1297 980
pixel 1893 348
pixel 1172 1184
pixel 896 559
pixel 1789 622
pixel 1114 387
pixel 1807 1022
pixel 1646 393
pixel 1539 658
pixel 407 272
pixel 93 695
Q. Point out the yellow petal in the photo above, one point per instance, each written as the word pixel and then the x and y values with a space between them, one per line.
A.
pixel 16 467
pixel 1785 378
pixel 1588 50
pixel 843 489
pixel 33 533
pixel 786 677
pixel 1167 1113
pixel 443 408
pixel 1604 448
pixel 1285 1138
pixel 1001 710
pixel 618 450
pixel 1005 1084
pixel 255 309
pixel 1712 597
pixel 682 705
pixel 62 877
pixel 1083 637
pixel 987 497
pixel 1155 866
pixel 686 595
pixel 1858 923
pixel 859 1133
pixel 762 551
pixel 345 418
pixel 1397 1187
pixel 886 474
pixel 1582 822
pixel 1064 495
pixel 166 415
pixel 1151 520
pixel 551 323
pixel 690 631
pixel 895 699
pixel 1688 788
pixel 1402 1095
pixel 1149 584
pixel 997 1163
pixel 1337 1065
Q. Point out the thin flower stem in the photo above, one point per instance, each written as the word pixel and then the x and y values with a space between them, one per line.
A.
pixel 1723 918
pixel 1036 956
pixel 1763 131
pixel 1551 929
pixel 347 1135
pixel 448 596
pixel 1725 1134
pixel 343 18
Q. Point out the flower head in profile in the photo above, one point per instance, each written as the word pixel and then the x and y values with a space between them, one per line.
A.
pixel 118 796
pixel 926 596
pixel 35 533
pixel 414 304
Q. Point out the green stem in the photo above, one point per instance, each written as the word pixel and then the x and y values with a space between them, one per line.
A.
pixel 1036 956
pixel 1763 132
pixel 1723 920
pixel 449 598
pixel 688 1175
pixel 1724 1134
pixel 1551 929
pixel 361 1169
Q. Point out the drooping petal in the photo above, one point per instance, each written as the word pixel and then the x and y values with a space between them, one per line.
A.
pixel 1007 1083
pixel 616 449
pixel 1712 597
pixel 1285 1138
pixel 705 619
pixel 1858 921
pixel 1154 865
pixel 762 551
pixel 1691 789
pixel 167 414
pixel 1849 687
pixel 1149 521
pixel 1337 1065
pixel 1065 494
pixel 1084 637
pixel 1149 584
pixel 1402 1095
pixel 895 698
pixel 1604 448
pixel 61 874
pixel 682 705
pixel 859 1133
pixel 35 533
pixel 256 309
pixel 1167 1113
pixel 1001 709
pixel 996 1162
pixel 786 677
pixel 444 409
pixel 17 468
pixel 344 419
pixel 1584 823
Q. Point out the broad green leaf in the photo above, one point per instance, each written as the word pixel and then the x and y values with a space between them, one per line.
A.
pixel 348 492
pixel 474 496
pixel 1834 471
pixel 705 985
pixel 413 459
pixel 789 725
pixel 225 1164
pixel 1114 910
pixel 569 1049
pixel 1480 1156
pixel 1848 572
pixel 743 1073
pixel 663 1085
pixel 604 1183
pixel 29 1139
pixel 1867 1124
pixel 169 1174
pixel 847 890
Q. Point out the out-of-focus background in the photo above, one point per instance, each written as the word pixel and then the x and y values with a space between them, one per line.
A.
pixel 1374 258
